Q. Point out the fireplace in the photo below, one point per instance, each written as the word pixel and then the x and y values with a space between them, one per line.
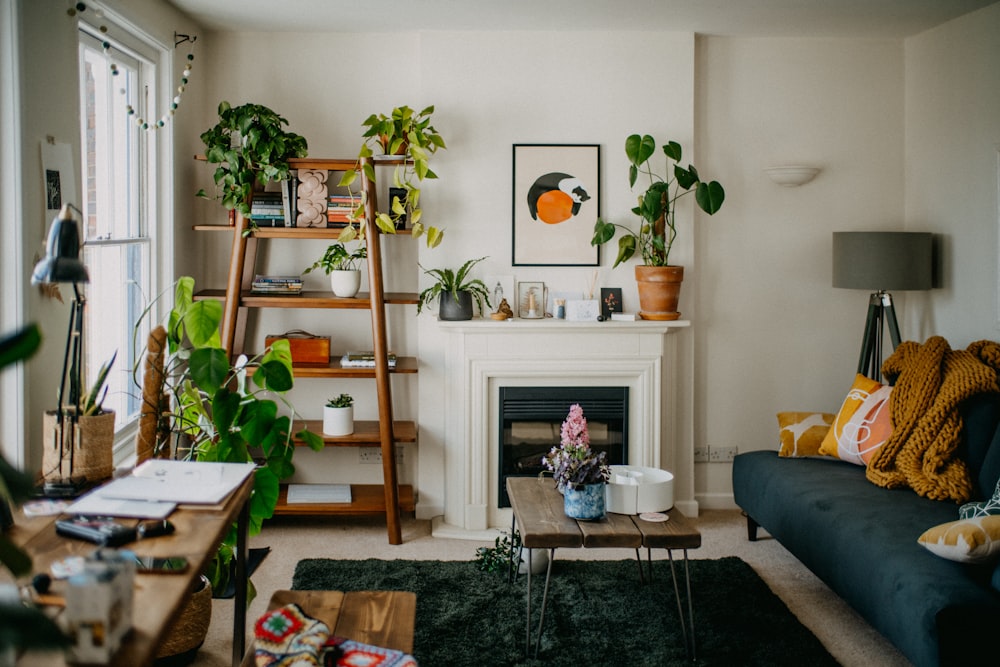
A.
pixel 531 419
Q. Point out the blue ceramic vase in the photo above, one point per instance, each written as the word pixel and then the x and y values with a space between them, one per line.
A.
pixel 584 502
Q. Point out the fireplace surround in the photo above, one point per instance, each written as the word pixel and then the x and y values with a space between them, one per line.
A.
pixel 482 356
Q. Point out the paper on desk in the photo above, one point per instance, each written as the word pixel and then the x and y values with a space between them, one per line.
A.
pixel 98 505
pixel 194 482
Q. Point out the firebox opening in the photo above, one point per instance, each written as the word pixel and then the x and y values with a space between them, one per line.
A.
pixel 531 419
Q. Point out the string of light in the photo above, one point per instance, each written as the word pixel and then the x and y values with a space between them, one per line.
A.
pixel 142 123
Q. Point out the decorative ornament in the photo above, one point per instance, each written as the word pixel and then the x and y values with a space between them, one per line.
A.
pixel 141 123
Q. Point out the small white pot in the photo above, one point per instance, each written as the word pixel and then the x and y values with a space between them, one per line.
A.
pixel 345 283
pixel 338 421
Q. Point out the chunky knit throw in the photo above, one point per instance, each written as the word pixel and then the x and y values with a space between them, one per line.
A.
pixel 930 382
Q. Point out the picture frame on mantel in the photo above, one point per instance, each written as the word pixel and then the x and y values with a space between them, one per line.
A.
pixel 556 202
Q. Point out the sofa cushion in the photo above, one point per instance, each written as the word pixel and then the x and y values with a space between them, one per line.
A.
pixel 975 540
pixel 862 425
pixel 801 433
pixel 981 442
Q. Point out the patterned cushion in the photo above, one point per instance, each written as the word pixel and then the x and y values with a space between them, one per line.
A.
pixel 982 508
pixel 862 425
pixel 801 433
pixel 966 541
pixel 342 652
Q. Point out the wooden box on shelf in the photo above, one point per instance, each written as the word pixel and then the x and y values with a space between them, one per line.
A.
pixel 306 348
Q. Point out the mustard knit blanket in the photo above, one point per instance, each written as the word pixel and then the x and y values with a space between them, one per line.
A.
pixel 931 381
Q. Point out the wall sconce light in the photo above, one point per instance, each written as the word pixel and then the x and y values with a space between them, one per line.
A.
pixel 791 176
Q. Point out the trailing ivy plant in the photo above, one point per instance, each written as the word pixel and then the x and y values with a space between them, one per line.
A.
pixel 504 556
pixel 250 146
pixel 226 411
pixel 408 134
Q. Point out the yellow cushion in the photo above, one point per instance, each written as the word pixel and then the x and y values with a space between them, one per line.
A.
pixel 801 433
pixel 966 541
pixel 862 425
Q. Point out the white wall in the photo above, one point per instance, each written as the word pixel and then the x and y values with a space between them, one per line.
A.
pixel 773 335
pixel 953 167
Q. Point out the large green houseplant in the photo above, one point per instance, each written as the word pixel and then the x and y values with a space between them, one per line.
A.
pixel 250 146
pixel 410 136
pixel 657 211
pixel 226 411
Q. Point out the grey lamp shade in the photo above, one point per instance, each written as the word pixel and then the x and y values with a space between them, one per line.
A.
pixel 883 260
pixel 61 263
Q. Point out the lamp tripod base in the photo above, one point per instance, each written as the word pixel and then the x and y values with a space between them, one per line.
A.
pixel 880 312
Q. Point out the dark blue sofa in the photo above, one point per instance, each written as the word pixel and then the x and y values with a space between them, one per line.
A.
pixel 861 540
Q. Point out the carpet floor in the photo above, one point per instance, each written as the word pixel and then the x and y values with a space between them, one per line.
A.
pixel 599 613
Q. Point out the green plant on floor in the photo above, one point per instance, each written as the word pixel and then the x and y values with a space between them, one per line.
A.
pixel 503 556
pixel 250 146
pixel 229 412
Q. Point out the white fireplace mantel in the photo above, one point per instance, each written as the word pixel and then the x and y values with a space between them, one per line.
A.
pixel 484 355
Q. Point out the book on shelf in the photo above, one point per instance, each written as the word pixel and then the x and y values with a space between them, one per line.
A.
pixel 281 280
pixel 364 360
pixel 289 198
pixel 318 493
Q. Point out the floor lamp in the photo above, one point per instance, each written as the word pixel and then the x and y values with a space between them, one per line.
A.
pixel 62 264
pixel 881 261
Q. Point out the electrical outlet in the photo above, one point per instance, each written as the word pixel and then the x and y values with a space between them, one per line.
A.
pixel 722 454
pixel 374 455
pixel 701 454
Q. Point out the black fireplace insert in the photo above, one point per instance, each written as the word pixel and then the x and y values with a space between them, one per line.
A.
pixel 531 419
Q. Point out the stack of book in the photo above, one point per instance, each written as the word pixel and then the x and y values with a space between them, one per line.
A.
pixel 364 359
pixel 284 285
pixel 340 210
pixel 268 209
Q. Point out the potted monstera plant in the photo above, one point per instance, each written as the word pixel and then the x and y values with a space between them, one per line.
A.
pixel 409 136
pixel 659 282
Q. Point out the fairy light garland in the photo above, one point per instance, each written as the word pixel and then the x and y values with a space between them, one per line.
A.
pixel 141 123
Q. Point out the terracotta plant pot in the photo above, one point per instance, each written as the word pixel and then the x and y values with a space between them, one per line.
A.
pixel 659 291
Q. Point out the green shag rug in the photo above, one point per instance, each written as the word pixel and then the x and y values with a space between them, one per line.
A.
pixel 598 613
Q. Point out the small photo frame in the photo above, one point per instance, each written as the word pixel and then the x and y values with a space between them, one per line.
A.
pixel 531 300
pixel 583 310
pixel 611 301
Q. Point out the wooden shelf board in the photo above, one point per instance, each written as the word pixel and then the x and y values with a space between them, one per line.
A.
pixel 335 370
pixel 289 232
pixel 365 499
pixel 308 299
pixel 366 433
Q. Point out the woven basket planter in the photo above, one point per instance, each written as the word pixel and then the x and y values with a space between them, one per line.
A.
pixel 86 450
pixel 188 632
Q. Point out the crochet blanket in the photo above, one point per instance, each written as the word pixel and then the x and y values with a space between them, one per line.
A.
pixel 930 382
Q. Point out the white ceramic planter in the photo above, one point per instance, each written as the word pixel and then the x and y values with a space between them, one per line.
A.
pixel 345 283
pixel 338 421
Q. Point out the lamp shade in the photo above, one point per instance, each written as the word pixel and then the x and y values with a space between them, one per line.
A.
pixel 61 263
pixel 883 260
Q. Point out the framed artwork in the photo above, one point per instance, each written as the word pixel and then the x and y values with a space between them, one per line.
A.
pixel 611 301
pixel 531 300
pixel 557 200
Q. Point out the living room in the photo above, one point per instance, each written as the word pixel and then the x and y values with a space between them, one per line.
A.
pixel 900 117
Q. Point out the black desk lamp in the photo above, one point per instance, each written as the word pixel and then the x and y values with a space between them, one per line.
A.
pixel 881 261
pixel 62 264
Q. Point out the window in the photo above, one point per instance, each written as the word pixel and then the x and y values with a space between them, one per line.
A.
pixel 116 169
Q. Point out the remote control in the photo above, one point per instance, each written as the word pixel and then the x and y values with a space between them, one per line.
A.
pixel 103 530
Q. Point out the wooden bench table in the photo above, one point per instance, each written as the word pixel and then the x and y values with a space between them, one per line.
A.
pixel 380 618
pixel 538 510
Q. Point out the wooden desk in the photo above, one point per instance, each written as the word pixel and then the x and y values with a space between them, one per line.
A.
pixel 158 597
pixel 379 618
pixel 539 511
